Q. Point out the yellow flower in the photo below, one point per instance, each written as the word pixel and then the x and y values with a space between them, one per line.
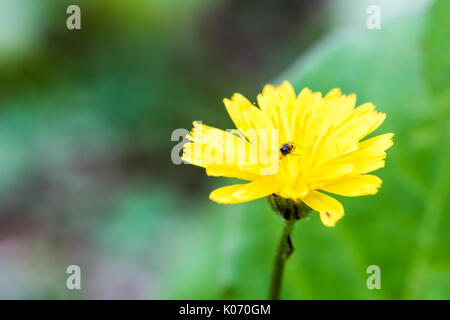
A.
pixel 317 148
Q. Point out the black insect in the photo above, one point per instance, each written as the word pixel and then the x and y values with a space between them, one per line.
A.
pixel 287 148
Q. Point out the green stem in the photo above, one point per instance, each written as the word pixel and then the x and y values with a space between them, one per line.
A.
pixel 283 252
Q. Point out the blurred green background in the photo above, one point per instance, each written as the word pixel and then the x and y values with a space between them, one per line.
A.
pixel 86 176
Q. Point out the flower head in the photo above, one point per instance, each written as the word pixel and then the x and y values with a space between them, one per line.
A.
pixel 294 146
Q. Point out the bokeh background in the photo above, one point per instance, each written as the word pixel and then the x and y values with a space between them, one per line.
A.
pixel 86 176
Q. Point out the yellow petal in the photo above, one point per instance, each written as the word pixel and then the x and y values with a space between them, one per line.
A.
pixel 353 186
pixel 333 94
pixel 287 94
pixel 243 192
pixel 331 170
pixel 269 102
pixel 370 154
pixel 236 108
pixel 377 144
pixel 231 171
pixel 362 121
pixel 329 208
pixel 338 108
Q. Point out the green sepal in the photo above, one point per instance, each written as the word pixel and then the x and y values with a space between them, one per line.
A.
pixel 288 208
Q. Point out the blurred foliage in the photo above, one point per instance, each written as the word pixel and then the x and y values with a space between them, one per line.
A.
pixel 86 176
